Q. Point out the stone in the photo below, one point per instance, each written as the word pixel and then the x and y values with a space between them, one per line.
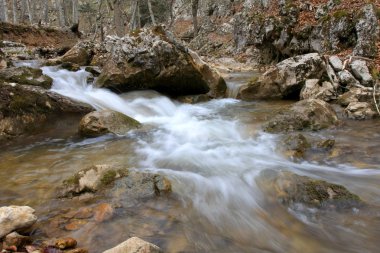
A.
pixel 70 66
pixel 153 59
pixel 103 122
pixel 367 30
pixel 15 239
pixel 75 224
pixel 26 76
pixel 77 250
pixel 286 79
pixel 347 79
pixel 359 111
pixel 81 54
pixel 309 114
pixel 193 99
pixel 361 72
pixel 290 189
pixel 135 245
pixel 326 144
pixel 103 212
pixel 313 89
pixel 295 145
pixel 65 243
pixel 15 218
pixel 336 63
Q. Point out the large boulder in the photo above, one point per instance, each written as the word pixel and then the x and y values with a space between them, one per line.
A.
pixel 117 180
pixel 153 59
pixel 309 114
pixel 135 245
pixel 367 31
pixel 80 54
pixel 360 70
pixel 290 189
pixel 15 218
pixel 286 79
pixel 102 122
pixel 27 76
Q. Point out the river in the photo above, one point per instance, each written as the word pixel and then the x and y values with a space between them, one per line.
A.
pixel 215 155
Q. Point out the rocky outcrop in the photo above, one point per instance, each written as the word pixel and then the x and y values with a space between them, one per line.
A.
pixel 26 76
pixel 314 89
pixel 286 79
pixel 120 180
pixel 15 218
pixel 310 114
pixel 102 122
pixel 153 59
pixel 135 245
pixel 289 189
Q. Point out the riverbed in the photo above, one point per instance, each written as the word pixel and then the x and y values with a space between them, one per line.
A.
pixel 216 156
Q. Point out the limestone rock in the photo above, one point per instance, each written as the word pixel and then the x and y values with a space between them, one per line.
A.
pixel 135 245
pixel 361 72
pixel 347 79
pixel 102 122
pixel 26 76
pixel 313 89
pixel 310 114
pixel 153 59
pixel 336 63
pixel 295 145
pixel 359 111
pixel 80 54
pixel 14 218
pixel 286 79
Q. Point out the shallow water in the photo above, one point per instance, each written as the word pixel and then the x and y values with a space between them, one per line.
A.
pixel 214 153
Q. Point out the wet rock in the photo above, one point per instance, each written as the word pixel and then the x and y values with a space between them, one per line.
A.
pixel 347 79
pixel 91 179
pixel 290 189
pixel 78 250
pixel 135 245
pixel 15 218
pixel 103 212
pixel 361 72
pixel 367 30
pixel 102 122
pixel 153 59
pixel 81 54
pixel 310 114
pixel 70 66
pixel 315 89
pixel 359 111
pixel 326 144
pixel 66 243
pixel 15 239
pixel 286 79
pixel 75 224
pixel 336 63
pixel 194 99
pixel 26 76
pixel 95 71
pixel 295 145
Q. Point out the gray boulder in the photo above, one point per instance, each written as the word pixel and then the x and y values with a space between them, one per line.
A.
pixel 102 122
pixel 361 72
pixel 315 89
pixel 286 79
pixel 310 114
pixel 359 111
pixel 15 218
pixel 347 79
pixel 135 245
pixel 336 63
pixel 26 76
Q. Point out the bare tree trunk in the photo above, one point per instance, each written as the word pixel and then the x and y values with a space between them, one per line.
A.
pixel 46 11
pixel 29 10
pixel 61 13
pixel 151 12
pixel 3 11
pixel 194 9
pixel 171 13
pixel 134 6
pixel 118 17
pixel 75 12
pixel 14 11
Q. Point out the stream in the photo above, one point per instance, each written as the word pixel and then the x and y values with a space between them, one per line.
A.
pixel 215 154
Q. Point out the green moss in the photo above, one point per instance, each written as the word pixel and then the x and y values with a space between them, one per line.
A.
pixel 108 177
pixel 340 14
pixel 73 180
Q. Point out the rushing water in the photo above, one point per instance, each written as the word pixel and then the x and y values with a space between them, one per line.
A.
pixel 214 153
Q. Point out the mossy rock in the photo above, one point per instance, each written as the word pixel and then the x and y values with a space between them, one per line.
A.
pixel 296 145
pixel 103 122
pixel 26 76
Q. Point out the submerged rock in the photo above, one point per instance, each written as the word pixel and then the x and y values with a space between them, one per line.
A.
pixel 310 114
pixel 15 218
pixel 26 76
pixel 289 189
pixel 135 245
pixel 295 145
pixel 65 243
pixel 15 239
pixel 102 122
pixel 153 59
pixel 286 79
